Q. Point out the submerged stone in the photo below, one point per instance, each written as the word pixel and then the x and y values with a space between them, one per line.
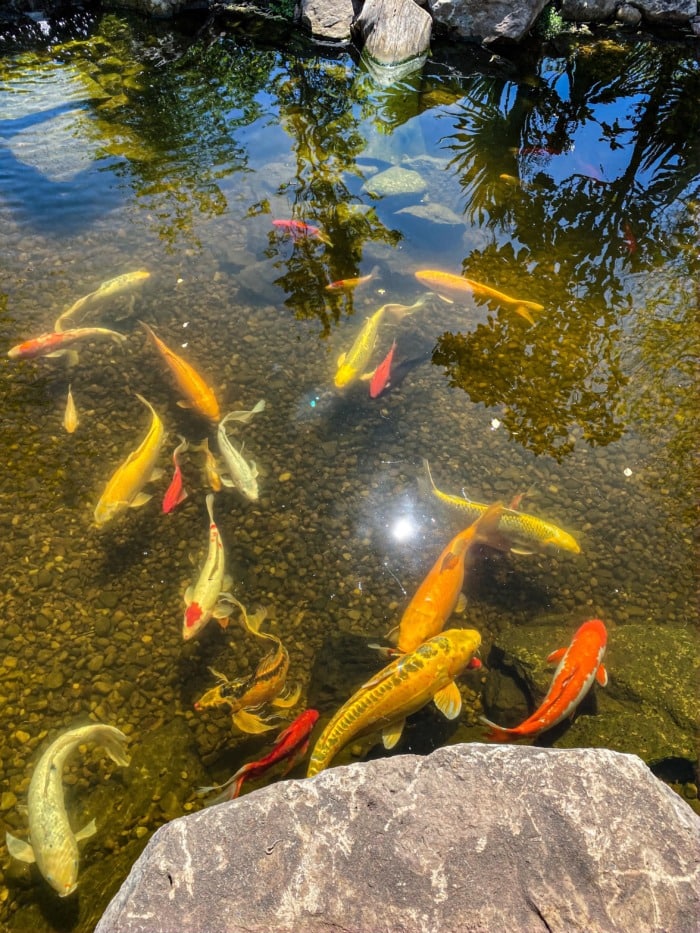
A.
pixel 393 181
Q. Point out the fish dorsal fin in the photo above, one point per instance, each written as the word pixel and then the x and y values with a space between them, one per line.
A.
pixel 391 734
pixel 556 655
pixel 449 701
pixel 89 830
pixel 19 848
pixel 601 676
pixel 380 676
pixel 449 561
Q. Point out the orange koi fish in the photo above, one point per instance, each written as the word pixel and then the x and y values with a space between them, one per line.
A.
pixel 445 283
pixel 198 395
pixel 298 229
pixel 579 665
pixel 382 374
pixel 436 598
pixel 291 745
pixel 346 285
pixel 175 494
pixel 55 343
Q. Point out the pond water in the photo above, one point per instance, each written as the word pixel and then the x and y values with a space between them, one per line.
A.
pixel 566 176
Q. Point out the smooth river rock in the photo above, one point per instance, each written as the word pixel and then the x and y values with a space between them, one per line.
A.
pixel 471 838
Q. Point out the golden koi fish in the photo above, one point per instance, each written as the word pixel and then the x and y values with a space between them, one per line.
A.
pixel 70 415
pixel 351 365
pixel 397 691
pixel 518 532
pixel 263 688
pixel 119 285
pixel 123 490
pixel 198 394
pixel 445 283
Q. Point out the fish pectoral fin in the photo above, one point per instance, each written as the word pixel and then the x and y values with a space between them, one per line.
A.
pixel 601 675
pixel 250 723
pixel 287 700
pixel 556 655
pixel 393 635
pixel 523 312
pixel 449 701
pixel 89 830
pixel 384 651
pixel 156 474
pixel 391 734
pixel 461 604
pixel 341 359
pixel 365 377
pixel 189 593
pixel 141 499
pixel 183 404
pixel 523 552
pixel 19 848
pixel 226 481
pixel 222 611
pixel 56 354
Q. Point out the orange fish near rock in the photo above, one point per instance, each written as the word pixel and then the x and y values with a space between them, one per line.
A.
pixel 447 284
pixel 198 394
pixel 382 374
pixel 579 666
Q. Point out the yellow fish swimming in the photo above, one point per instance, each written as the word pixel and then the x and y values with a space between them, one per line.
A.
pixel 517 531
pixel 445 283
pixel 266 687
pixel 119 285
pixel 397 691
pixel 123 491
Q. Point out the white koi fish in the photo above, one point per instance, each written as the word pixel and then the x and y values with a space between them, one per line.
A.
pixel 205 599
pixel 120 285
pixel 241 474
pixel 54 845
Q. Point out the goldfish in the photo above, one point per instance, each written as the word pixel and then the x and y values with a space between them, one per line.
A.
pixel 211 468
pixel 54 845
pixel 207 599
pixel 119 285
pixel 70 415
pixel 351 365
pixel 446 282
pixel 398 690
pixel 346 285
pixel 579 666
pixel 519 532
pixel 438 595
pixel 382 374
pixel 175 494
pixel 198 394
pixel 56 343
pixel 629 238
pixel 124 488
pixel 241 474
pixel 265 687
pixel 291 745
pixel 299 229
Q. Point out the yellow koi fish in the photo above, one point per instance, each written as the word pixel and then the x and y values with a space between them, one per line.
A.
pixel 123 491
pixel 70 415
pixel 266 687
pixel 518 532
pixel 352 365
pixel 211 468
pixel 445 283
pixel 400 689
pixel 198 394
pixel 120 285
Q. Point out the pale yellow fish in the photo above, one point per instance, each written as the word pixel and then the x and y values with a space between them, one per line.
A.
pixel 70 416
pixel 123 490
pixel 459 286
pixel 120 285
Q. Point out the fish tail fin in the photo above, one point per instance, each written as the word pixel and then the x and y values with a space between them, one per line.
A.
pixel 522 310
pixel 113 741
pixel 497 733
pixel 210 507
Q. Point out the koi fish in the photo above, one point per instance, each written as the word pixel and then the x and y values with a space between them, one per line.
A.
pixel 198 394
pixel 458 285
pixel 266 687
pixel 119 285
pixel 55 344
pixel 124 488
pixel 351 365
pixel 175 494
pixel 211 468
pixel 440 592
pixel 207 599
pixel 298 229
pixel 629 238
pixel 347 285
pixel 291 745
pixel 540 150
pixel 70 415
pixel 519 532
pixel 400 689
pixel 54 845
pixel 579 666
pixel 241 474
pixel 382 374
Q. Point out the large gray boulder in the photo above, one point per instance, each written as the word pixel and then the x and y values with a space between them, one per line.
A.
pixel 328 19
pixel 471 838
pixel 490 20
pixel 391 32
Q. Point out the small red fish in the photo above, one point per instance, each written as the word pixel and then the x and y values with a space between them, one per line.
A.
pixel 540 150
pixel 299 229
pixel 382 374
pixel 346 285
pixel 175 494
pixel 579 666
pixel 629 238
pixel 292 744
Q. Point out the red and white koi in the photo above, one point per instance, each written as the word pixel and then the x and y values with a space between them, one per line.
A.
pixel 381 378
pixel 175 494
pixel 298 230
pixel 56 343
pixel 579 666
pixel 206 599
